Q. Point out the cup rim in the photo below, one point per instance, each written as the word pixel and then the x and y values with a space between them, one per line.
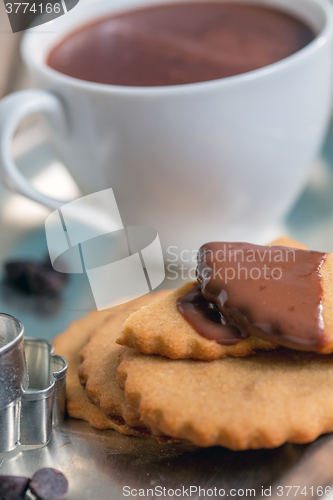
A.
pixel 323 37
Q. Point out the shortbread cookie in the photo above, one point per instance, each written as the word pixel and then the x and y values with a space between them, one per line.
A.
pixel 259 401
pixel 68 344
pixel 97 371
pixel 159 328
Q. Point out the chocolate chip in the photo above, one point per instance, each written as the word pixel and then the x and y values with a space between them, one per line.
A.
pixel 13 487
pixel 49 484
pixel 34 278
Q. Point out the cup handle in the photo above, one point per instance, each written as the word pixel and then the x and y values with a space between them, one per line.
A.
pixel 12 109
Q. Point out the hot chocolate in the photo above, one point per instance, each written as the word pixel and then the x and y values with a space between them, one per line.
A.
pixel 180 43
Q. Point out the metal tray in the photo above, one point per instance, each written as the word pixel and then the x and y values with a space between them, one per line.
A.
pixel 104 465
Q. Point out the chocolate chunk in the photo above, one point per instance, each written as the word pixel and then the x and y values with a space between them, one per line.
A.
pixel 13 487
pixel 35 278
pixel 49 484
pixel 274 293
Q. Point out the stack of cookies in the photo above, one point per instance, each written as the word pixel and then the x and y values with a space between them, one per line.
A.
pixel 257 377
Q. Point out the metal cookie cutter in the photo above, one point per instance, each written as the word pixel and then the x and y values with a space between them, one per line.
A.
pixel 32 388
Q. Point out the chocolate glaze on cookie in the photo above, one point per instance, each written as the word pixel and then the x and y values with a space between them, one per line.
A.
pixel 207 318
pixel 274 293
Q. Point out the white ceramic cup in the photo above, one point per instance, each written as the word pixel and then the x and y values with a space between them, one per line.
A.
pixel 219 160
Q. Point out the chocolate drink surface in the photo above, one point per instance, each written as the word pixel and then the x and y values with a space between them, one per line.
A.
pixel 179 43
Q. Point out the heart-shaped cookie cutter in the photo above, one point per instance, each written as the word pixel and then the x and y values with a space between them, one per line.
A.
pixel 32 388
